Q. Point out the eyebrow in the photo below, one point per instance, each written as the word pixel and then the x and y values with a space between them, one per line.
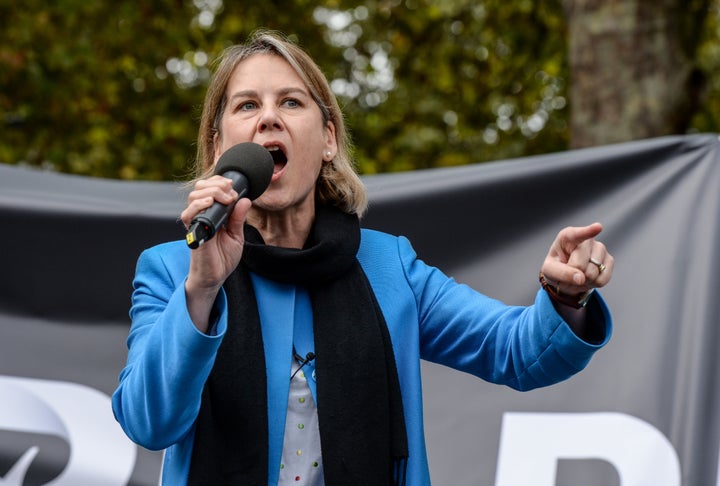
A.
pixel 281 92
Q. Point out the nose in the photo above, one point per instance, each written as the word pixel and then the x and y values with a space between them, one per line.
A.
pixel 269 119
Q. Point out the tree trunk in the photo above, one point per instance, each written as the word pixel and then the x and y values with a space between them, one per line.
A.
pixel 632 71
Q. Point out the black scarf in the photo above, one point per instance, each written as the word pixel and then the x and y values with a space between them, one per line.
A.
pixel 362 428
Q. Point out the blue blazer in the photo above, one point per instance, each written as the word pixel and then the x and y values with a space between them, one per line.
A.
pixel 429 315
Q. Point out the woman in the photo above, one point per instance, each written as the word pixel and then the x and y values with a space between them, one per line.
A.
pixel 286 350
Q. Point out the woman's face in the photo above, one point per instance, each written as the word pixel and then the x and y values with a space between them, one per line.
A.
pixel 268 103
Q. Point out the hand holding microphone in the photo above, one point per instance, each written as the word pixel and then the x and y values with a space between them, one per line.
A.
pixel 250 167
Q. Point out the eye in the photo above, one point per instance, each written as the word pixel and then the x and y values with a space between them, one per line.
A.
pixel 291 103
pixel 247 106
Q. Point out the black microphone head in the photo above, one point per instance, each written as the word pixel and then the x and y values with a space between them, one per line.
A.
pixel 253 161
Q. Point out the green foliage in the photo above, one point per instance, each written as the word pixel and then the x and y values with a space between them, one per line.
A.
pixel 85 91
pixel 114 89
pixel 473 81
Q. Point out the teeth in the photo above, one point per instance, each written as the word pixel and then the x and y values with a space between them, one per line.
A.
pixel 272 148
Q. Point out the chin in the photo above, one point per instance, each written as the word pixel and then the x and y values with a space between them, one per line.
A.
pixel 277 201
pixel 269 204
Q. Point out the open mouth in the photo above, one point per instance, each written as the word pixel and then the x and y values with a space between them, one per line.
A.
pixel 279 158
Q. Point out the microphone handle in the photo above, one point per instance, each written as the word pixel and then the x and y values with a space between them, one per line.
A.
pixel 204 226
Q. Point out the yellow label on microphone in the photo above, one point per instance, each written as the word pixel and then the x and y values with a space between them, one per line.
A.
pixel 190 238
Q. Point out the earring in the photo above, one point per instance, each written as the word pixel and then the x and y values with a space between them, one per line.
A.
pixel 328 154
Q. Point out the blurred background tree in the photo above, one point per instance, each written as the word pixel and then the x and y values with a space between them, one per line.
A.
pixel 114 89
pixel 636 68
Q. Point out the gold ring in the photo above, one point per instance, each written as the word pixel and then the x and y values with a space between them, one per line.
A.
pixel 601 266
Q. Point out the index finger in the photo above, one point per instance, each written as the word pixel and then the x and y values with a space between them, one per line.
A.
pixel 573 236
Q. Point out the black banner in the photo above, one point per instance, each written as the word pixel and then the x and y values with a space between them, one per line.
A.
pixel 644 412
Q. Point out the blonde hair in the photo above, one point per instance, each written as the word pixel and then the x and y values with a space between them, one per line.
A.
pixel 338 183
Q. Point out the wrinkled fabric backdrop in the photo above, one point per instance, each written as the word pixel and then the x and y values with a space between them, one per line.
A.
pixel 69 244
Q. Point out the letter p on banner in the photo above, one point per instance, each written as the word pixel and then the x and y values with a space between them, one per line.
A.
pixel 532 443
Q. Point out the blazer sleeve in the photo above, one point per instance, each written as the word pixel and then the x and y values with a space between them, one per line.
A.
pixel 521 347
pixel 169 360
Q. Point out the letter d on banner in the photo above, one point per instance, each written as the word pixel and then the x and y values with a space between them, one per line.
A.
pixel 531 444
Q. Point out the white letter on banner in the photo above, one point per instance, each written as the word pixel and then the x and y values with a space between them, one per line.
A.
pixel 100 453
pixel 531 444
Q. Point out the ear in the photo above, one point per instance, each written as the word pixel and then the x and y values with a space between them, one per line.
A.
pixel 331 146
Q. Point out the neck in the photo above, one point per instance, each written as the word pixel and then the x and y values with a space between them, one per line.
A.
pixel 287 229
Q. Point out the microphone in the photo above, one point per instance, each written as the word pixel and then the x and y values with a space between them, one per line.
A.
pixel 308 357
pixel 250 167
